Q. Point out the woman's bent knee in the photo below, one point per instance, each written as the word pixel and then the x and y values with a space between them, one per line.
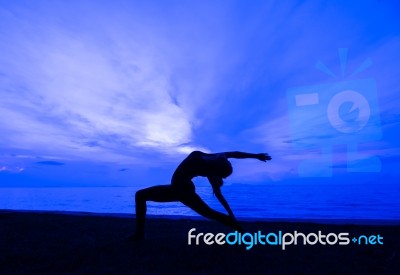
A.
pixel 140 195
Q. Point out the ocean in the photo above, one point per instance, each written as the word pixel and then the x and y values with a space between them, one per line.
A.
pixel 270 201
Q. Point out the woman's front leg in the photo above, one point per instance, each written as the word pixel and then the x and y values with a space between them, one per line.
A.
pixel 160 193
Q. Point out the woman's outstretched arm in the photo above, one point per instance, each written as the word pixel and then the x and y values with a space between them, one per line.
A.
pixel 243 155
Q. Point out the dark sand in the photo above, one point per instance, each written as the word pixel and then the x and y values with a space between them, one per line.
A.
pixel 50 243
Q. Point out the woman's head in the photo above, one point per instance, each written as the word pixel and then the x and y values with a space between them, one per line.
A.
pixel 220 167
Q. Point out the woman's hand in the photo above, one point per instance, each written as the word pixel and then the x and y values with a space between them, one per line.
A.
pixel 236 225
pixel 263 157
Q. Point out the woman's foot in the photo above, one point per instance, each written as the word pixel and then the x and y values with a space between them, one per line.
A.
pixel 137 236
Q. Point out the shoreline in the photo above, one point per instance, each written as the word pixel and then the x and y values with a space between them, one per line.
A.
pixel 372 222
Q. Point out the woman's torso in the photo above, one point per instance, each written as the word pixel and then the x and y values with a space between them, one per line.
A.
pixel 192 166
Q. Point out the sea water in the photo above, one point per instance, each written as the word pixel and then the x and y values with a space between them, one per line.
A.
pixel 302 201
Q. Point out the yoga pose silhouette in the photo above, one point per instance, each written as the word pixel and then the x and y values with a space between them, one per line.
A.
pixel 215 167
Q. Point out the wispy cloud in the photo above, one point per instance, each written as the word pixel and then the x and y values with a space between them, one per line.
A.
pixel 50 162
pixel 76 95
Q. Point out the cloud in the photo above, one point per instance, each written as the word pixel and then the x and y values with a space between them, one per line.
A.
pixel 98 95
pixel 145 84
pixel 50 163
pixel 11 169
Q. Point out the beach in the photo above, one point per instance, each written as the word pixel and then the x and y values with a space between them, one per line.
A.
pixel 82 243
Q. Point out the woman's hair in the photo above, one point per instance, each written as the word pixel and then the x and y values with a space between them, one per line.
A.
pixel 221 167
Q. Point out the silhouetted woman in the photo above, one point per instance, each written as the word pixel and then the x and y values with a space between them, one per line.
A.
pixel 213 166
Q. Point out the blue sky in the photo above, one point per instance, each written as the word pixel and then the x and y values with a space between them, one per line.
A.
pixel 111 93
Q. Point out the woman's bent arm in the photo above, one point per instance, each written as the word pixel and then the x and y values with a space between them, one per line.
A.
pixel 222 200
